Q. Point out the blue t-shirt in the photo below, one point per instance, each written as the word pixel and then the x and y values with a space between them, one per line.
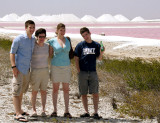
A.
pixel 61 55
pixel 87 53
pixel 22 47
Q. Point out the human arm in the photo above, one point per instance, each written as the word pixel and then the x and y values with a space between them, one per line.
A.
pixel 77 63
pixel 51 51
pixel 15 70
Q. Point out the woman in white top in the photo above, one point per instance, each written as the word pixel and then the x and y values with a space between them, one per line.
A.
pixel 39 70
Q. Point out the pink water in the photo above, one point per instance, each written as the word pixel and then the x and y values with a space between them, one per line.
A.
pixel 139 30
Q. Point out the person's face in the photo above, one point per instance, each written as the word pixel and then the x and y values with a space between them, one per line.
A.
pixel 61 31
pixel 30 29
pixel 86 36
pixel 41 38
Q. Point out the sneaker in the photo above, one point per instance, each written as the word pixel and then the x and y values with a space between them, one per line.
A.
pixel 85 115
pixel 96 116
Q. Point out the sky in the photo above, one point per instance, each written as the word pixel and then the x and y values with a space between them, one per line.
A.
pixel 148 9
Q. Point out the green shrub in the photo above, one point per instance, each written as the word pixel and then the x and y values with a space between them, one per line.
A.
pixel 5 43
pixel 143 104
pixel 139 74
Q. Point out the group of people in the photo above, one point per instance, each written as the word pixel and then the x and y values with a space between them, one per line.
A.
pixel 29 57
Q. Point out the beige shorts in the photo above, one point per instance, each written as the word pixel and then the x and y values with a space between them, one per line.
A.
pixel 20 84
pixel 60 74
pixel 39 79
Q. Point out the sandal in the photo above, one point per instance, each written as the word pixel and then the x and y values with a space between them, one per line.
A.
pixel 67 115
pixel 21 119
pixel 24 114
pixel 85 115
pixel 54 114
pixel 43 114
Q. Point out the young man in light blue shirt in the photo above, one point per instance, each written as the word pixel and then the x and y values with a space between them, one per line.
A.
pixel 20 56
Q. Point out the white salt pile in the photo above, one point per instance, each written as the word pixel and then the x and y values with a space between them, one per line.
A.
pixel 62 18
pixel 138 19
pixel 89 18
pixel 10 17
pixel 26 17
pixel 42 17
pixel 106 18
pixel 121 18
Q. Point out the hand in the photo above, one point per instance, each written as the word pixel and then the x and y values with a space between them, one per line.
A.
pixel 102 51
pixel 15 72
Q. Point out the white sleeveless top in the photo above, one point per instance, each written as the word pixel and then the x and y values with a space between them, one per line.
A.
pixel 40 56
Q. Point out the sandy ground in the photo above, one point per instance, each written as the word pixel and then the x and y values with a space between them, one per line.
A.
pixel 76 108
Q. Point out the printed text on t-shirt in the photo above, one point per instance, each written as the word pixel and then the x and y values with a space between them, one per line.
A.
pixel 88 51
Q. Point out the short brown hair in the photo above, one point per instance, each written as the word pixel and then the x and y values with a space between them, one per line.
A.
pixel 28 22
pixel 40 31
pixel 84 29
pixel 60 25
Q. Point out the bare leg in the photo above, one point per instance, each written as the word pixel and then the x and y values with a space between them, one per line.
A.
pixel 16 103
pixel 33 100
pixel 95 102
pixel 55 95
pixel 43 99
pixel 66 96
pixel 20 99
pixel 85 102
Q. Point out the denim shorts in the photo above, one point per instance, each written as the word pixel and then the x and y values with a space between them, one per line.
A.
pixel 88 82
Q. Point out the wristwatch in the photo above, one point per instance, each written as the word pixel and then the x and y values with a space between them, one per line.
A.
pixel 13 67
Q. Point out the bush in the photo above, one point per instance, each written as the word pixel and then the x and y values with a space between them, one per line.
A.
pixel 139 74
pixel 5 43
pixel 142 104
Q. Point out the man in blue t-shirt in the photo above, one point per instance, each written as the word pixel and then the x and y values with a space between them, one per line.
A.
pixel 86 53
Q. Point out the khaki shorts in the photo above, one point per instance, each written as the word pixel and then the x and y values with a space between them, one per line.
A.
pixel 60 74
pixel 20 84
pixel 39 79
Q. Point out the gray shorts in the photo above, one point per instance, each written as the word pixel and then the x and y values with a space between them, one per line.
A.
pixel 88 81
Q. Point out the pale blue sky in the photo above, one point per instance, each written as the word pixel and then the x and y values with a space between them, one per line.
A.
pixel 148 9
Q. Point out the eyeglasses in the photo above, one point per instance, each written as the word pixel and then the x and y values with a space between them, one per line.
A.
pixel 41 36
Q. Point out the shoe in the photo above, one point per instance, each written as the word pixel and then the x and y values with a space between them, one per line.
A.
pixel 43 114
pixel 67 115
pixel 34 115
pixel 54 114
pixel 85 115
pixel 96 116
pixel 20 119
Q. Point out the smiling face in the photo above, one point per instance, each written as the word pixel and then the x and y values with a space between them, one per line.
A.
pixel 41 38
pixel 61 31
pixel 30 29
pixel 87 36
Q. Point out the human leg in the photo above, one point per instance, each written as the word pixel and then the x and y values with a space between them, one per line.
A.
pixel 43 99
pixel 66 96
pixel 95 102
pixel 33 100
pixel 55 95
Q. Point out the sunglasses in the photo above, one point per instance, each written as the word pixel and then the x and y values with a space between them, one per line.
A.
pixel 41 36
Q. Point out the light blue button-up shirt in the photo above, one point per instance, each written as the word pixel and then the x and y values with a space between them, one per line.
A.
pixel 22 47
